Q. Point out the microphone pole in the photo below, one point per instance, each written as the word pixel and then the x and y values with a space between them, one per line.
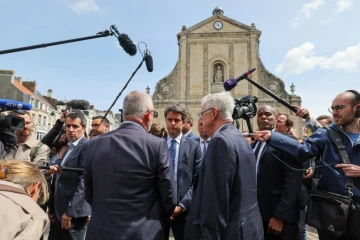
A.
pixel 65 169
pixel 104 33
pixel 271 94
pixel 117 97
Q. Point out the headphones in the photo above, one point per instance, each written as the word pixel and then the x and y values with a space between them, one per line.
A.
pixel 357 99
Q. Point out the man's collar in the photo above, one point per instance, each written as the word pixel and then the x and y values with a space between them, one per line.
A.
pixel 202 140
pixel 219 129
pixel 177 139
pixel 31 142
pixel 76 142
pixel 185 135
pixel 132 122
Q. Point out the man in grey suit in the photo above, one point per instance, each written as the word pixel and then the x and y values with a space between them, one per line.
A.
pixel 185 155
pixel 71 210
pixel 224 204
pixel 128 178
pixel 186 129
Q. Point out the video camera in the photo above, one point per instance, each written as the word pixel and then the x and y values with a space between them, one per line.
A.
pixel 11 123
pixel 245 107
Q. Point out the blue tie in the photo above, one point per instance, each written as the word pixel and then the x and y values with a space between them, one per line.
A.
pixel 173 152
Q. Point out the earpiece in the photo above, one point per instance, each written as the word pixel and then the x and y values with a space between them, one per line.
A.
pixel 357 96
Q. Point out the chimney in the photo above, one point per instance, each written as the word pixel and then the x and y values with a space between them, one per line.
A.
pixel 31 85
pixel 91 107
pixel 49 93
pixel 147 90
pixel 18 79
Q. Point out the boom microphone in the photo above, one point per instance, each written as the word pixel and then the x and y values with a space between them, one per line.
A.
pixel 126 43
pixel 148 60
pixel 232 82
pixel 6 105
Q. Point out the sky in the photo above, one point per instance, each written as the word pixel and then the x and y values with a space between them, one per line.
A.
pixel 314 44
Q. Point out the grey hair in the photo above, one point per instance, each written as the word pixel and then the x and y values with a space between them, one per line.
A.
pixel 222 101
pixel 136 103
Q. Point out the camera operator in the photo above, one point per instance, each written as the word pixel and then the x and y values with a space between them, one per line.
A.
pixel 29 148
pixel 346 113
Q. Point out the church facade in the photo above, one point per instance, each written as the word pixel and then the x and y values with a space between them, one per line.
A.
pixel 211 52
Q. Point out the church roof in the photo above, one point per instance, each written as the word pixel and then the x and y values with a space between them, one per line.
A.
pixel 233 22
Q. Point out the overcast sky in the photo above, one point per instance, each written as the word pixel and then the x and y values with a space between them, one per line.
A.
pixel 314 44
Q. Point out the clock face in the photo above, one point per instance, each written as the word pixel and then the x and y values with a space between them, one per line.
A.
pixel 218 25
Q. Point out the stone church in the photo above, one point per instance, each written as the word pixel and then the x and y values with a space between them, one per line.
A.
pixel 211 52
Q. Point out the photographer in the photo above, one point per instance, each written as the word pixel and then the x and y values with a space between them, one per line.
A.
pixel 29 148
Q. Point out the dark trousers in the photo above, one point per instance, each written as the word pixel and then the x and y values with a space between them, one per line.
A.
pixel 290 232
pixel 326 236
pixel 75 232
pixel 177 227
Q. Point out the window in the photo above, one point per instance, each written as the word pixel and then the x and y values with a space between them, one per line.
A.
pixel 44 122
pixel 39 119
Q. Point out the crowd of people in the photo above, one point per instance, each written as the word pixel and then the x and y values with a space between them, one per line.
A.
pixel 144 180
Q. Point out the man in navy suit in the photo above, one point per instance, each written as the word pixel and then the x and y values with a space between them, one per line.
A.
pixel 185 155
pixel 71 209
pixel 278 185
pixel 186 129
pixel 224 204
pixel 128 178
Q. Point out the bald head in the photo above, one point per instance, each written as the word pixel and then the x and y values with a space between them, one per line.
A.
pixel 344 108
pixel 266 116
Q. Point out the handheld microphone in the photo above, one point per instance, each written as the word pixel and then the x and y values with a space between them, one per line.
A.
pixel 6 105
pixel 148 60
pixel 232 82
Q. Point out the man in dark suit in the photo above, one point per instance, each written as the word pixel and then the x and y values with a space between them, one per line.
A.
pixel 278 185
pixel 204 137
pixel 71 210
pixel 128 178
pixel 185 155
pixel 224 204
pixel 186 129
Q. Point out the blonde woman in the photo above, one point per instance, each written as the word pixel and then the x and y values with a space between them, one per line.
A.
pixel 22 185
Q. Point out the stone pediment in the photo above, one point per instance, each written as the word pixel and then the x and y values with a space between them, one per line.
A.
pixel 207 26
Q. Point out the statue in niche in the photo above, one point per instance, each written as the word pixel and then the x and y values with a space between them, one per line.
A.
pixel 218 73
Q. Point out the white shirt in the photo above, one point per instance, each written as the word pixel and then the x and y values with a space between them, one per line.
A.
pixel 261 145
pixel 177 140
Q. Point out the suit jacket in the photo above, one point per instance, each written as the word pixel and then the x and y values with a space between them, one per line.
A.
pixel 193 136
pixel 129 183
pixel 188 169
pixel 278 185
pixel 69 186
pixel 224 204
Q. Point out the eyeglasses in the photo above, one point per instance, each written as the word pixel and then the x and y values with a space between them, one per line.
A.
pixel 336 108
pixel 155 113
pixel 202 113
